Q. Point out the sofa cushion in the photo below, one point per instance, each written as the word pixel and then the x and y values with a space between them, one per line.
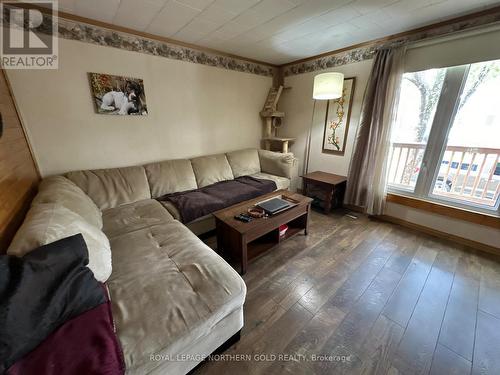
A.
pixel 134 216
pixel 110 188
pixel 211 169
pixel 168 289
pixel 48 222
pixel 171 176
pixel 244 162
pixel 277 163
pixel 59 189
pixel 281 182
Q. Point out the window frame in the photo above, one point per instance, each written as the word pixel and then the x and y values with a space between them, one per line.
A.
pixel 446 110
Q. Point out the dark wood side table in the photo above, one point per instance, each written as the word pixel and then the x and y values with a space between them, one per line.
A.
pixel 331 184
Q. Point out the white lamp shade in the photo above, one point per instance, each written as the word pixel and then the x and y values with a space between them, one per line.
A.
pixel 328 86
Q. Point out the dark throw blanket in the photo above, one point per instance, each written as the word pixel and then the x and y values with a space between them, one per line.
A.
pixel 197 203
pixel 84 345
pixel 55 317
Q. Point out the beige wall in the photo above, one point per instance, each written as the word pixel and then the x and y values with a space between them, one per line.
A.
pixel 193 110
pixel 297 103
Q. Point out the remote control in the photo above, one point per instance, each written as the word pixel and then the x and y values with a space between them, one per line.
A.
pixel 242 218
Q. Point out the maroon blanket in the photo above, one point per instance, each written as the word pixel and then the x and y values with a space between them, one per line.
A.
pixel 197 203
pixel 85 345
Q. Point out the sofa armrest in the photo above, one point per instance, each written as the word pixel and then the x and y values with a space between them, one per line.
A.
pixel 278 164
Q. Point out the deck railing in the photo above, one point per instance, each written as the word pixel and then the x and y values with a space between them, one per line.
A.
pixel 470 174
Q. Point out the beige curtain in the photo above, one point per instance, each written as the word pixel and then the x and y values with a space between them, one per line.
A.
pixel 367 179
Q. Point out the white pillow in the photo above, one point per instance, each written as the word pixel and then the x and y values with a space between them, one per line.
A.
pixel 49 222
pixel 59 189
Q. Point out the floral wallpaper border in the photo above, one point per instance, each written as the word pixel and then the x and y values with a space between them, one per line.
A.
pixel 366 53
pixel 105 37
pixel 73 30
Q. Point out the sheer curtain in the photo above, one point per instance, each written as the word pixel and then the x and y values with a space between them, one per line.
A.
pixel 367 179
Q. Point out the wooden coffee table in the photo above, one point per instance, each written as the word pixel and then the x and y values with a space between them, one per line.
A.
pixel 244 241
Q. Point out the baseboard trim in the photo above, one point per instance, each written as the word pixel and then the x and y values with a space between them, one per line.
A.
pixel 437 233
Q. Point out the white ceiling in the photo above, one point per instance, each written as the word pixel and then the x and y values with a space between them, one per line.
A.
pixel 274 31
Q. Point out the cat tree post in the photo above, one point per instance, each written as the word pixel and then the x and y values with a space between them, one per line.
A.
pixel 273 120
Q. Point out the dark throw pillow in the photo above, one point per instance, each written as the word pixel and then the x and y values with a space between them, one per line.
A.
pixel 41 291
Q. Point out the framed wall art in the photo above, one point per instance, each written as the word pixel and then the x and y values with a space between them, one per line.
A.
pixel 117 95
pixel 338 113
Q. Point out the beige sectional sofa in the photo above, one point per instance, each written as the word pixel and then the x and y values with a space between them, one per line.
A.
pixel 174 300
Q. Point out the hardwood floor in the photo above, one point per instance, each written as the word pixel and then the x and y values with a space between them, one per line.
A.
pixel 371 298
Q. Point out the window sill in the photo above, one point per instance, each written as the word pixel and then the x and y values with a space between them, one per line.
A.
pixel 441 209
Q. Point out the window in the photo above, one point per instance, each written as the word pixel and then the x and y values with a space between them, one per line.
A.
pixel 417 105
pixel 446 138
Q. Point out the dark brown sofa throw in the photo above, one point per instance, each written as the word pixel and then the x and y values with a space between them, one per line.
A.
pixel 197 203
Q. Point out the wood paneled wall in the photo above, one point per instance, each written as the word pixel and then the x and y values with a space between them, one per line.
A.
pixel 18 174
